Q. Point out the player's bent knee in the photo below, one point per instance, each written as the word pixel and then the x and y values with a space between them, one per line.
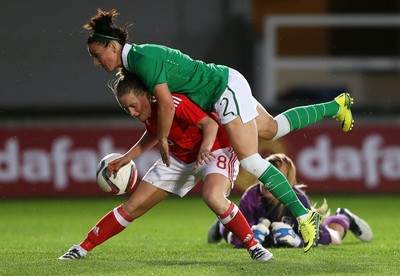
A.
pixel 216 202
pixel 254 164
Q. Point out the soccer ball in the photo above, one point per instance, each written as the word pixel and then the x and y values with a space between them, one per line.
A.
pixel 124 181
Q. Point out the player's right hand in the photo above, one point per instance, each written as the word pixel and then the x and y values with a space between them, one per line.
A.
pixel 116 164
pixel 164 151
pixel 261 230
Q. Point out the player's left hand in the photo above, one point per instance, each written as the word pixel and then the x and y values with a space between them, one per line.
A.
pixel 203 157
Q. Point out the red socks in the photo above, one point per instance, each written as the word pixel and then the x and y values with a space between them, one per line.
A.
pixel 234 221
pixel 111 224
pixel 117 220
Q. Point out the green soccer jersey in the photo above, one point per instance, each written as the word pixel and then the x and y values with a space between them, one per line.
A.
pixel 154 64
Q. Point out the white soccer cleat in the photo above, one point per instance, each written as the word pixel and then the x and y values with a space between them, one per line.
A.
pixel 259 253
pixel 75 252
pixel 358 226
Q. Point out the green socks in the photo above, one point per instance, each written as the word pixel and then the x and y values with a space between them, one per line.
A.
pixel 276 183
pixel 300 117
pixel 296 118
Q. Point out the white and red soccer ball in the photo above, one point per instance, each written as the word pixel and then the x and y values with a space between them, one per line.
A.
pixel 122 183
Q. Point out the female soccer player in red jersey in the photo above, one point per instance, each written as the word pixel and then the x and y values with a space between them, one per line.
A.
pixel 213 88
pixel 199 150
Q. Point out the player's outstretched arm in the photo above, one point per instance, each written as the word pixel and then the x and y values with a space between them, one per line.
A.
pixel 146 142
pixel 165 116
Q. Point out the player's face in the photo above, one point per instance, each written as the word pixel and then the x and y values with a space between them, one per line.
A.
pixel 108 57
pixel 136 106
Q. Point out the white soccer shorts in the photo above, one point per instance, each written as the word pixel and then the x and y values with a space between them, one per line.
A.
pixel 179 178
pixel 236 100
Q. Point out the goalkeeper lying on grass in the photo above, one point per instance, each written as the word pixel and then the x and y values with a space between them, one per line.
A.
pixel 275 226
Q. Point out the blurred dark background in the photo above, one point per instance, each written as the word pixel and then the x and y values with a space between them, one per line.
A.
pixel 58 118
pixel 46 70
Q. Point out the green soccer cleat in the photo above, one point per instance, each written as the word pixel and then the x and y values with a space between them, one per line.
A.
pixel 344 115
pixel 309 230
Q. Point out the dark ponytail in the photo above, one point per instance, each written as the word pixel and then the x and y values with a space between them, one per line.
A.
pixel 102 29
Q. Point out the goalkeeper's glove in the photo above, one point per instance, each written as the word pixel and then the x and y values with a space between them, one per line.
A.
pixel 284 234
pixel 261 230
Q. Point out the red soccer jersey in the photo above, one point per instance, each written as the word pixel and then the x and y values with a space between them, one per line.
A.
pixel 185 136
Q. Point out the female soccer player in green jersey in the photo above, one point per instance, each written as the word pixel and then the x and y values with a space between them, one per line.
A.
pixel 213 88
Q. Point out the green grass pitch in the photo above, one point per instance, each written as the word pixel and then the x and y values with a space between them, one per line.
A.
pixel 171 240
